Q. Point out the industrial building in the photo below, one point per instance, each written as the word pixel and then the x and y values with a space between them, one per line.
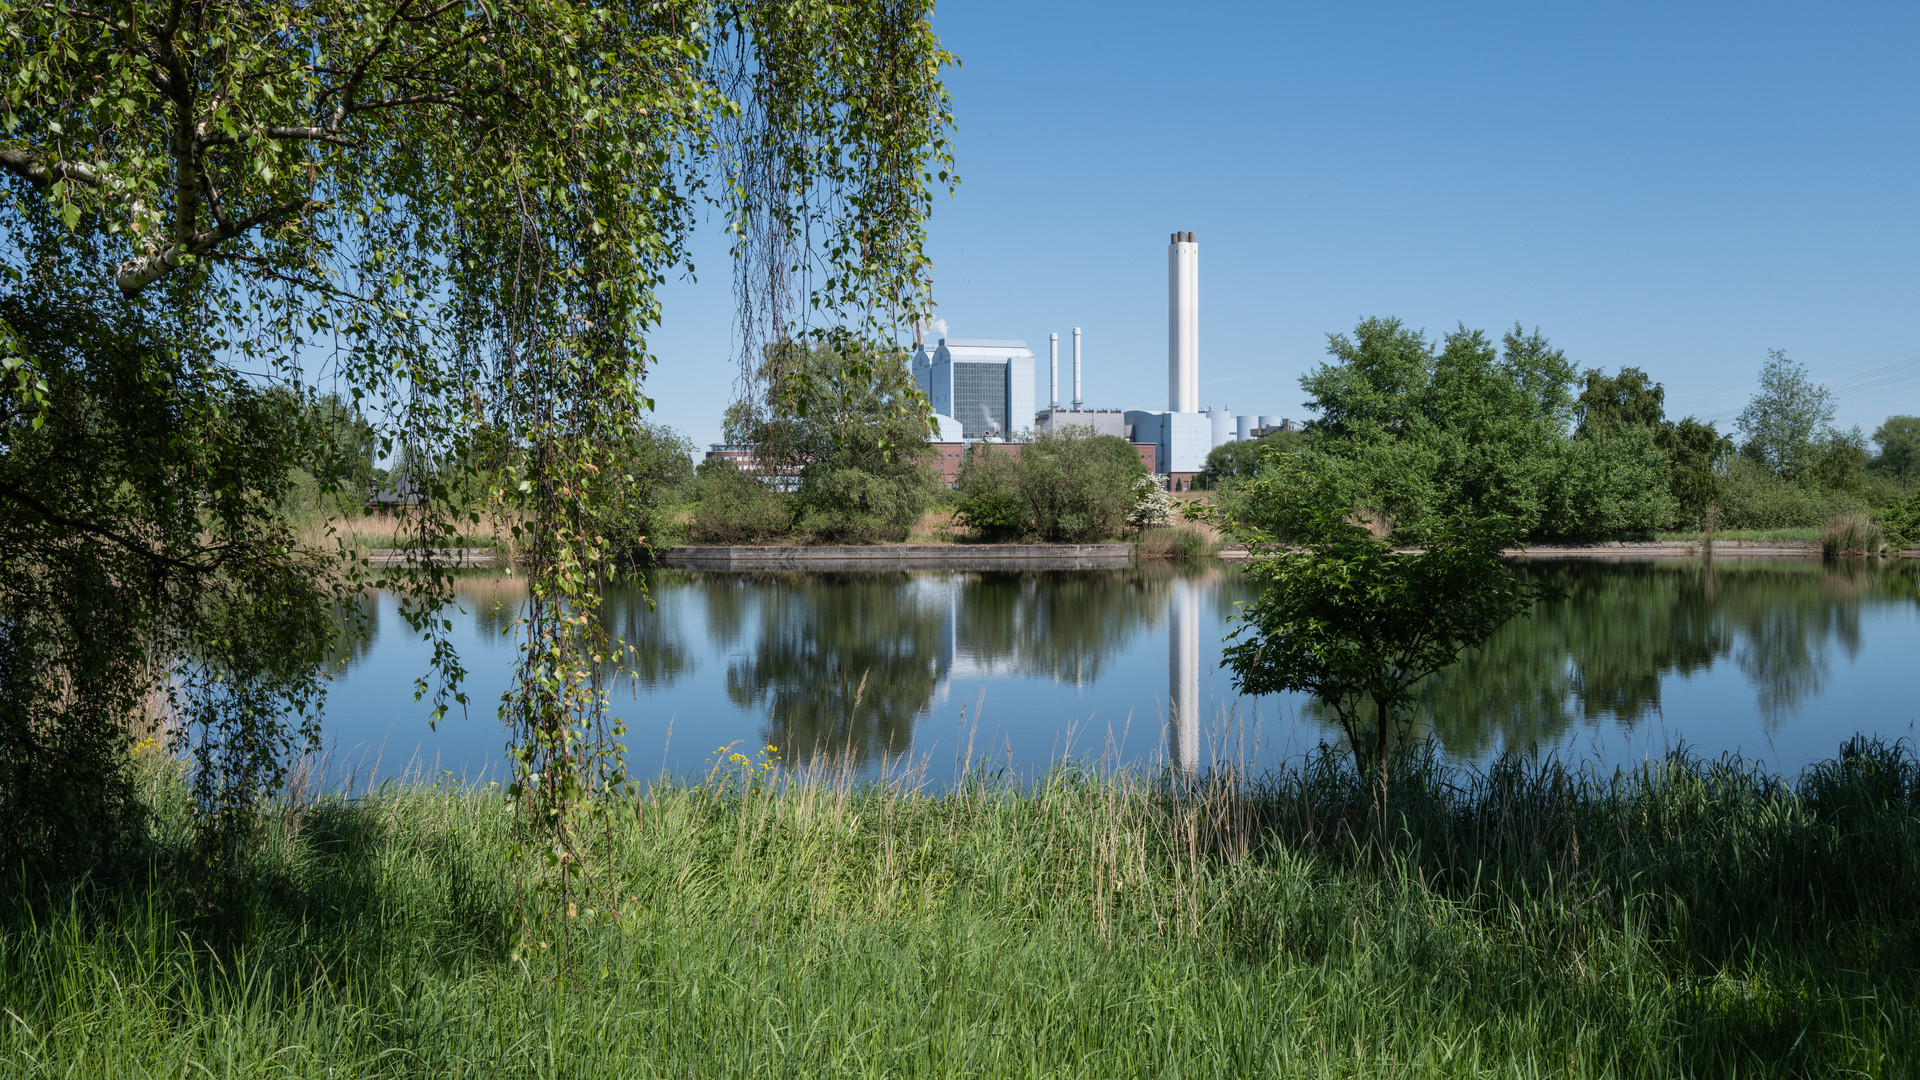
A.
pixel 983 390
pixel 985 385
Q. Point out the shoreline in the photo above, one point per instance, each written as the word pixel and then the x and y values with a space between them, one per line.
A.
pixel 1121 555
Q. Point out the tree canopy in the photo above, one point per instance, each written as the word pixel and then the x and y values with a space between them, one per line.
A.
pixel 1420 429
pixel 456 214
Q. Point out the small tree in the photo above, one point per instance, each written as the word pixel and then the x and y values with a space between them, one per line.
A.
pixel 1783 420
pixel 844 416
pixel 1345 617
pixel 1899 442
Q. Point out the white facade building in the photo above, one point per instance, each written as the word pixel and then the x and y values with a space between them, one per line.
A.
pixel 986 385
pixel 1181 439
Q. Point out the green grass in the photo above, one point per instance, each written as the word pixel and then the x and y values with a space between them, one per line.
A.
pixel 1809 535
pixel 1691 919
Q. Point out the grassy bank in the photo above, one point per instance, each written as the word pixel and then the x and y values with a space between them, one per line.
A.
pixel 1809 535
pixel 1690 919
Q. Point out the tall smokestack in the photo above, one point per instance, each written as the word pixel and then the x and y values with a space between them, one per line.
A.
pixel 1076 368
pixel 1053 365
pixel 1183 323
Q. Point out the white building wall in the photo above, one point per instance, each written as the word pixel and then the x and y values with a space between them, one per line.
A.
pixel 1186 440
pixel 1098 421
pixel 933 370
pixel 1181 440
pixel 1020 391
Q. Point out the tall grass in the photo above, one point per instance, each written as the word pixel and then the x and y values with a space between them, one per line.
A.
pixel 1175 542
pixel 1688 918
pixel 1849 533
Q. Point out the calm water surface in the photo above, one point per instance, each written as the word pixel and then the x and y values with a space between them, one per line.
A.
pixel 1777 660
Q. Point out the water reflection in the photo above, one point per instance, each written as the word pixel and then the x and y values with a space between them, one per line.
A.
pixel 1609 648
pixel 840 664
pixel 851 667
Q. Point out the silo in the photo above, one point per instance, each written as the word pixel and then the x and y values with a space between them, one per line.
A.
pixel 1243 427
pixel 1270 421
pixel 1222 426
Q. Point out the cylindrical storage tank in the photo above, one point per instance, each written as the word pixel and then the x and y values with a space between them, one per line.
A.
pixel 1222 426
pixel 1243 427
pixel 1269 421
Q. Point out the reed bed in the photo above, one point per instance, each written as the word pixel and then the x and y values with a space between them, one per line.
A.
pixel 1690 918
pixel 1850 533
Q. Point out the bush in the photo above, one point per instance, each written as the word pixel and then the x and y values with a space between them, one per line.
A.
pixel 1900 523
pixel 1152 506
pixel 1062 487
pixel 1612 485
pixel 1752 497
pixel 736 507
pixel 853 505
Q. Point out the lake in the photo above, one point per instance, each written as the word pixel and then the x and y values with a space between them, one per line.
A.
pixel 1778 660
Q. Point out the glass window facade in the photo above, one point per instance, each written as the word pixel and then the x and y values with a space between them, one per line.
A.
pixel 980 398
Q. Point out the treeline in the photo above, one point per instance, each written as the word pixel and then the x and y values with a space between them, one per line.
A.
pixel 1411 429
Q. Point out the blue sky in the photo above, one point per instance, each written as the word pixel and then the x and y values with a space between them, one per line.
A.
pixel 1677 187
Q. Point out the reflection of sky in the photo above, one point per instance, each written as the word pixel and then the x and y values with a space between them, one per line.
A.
pixel 1007 701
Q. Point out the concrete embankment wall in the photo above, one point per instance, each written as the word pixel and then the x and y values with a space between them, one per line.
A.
pixel 902 557
pixel 1633 551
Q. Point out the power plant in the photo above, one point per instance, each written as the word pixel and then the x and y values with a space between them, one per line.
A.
pixel 983 389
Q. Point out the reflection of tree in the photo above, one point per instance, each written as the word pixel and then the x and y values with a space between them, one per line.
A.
pixel 656 655
pixel 727 598
pixel 355 625
pixel 842 663
pixel 494 601
pixel 1059 624
pixel 1602 650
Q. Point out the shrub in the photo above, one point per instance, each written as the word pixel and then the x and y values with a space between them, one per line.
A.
pixel 1064 487
pixel 1751 497
pixel 988 498
pixel 1900 523
pixel 853 505
pixel 1152 507
pixel 736 507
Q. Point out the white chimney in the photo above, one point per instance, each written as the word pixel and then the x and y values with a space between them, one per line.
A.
pixel 1076 368
pixel 1053 365
pixel 1183 324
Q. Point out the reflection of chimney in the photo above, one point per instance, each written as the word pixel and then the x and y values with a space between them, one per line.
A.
pixel 1053 365
pixel 1183 678
pixel 1183 323
pixel 1076 368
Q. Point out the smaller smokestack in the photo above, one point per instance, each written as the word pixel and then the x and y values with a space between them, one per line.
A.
pixel 1053 365
pixel 1076 368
